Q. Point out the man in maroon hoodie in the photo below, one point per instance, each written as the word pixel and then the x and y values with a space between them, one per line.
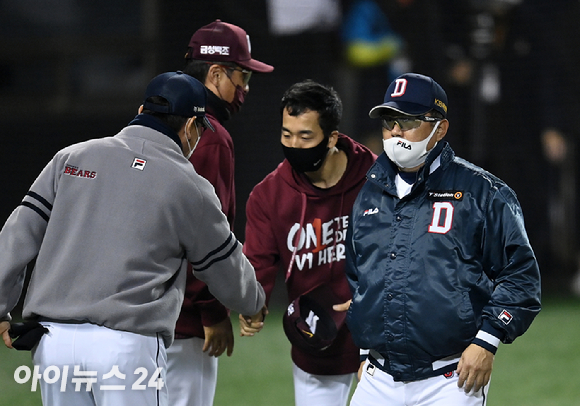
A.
pixel 296 223
pixel 219 57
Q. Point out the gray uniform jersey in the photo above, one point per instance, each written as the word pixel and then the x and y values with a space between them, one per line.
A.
pixel 112 223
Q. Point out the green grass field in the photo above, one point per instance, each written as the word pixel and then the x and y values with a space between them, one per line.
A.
pixel 541 368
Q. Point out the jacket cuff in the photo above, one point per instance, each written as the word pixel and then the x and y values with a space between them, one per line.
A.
pixel 6 318
pixel 488 337
pixel 364 354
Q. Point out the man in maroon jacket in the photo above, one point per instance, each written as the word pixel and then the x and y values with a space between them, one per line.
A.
pixel 296 223
pixel 219 57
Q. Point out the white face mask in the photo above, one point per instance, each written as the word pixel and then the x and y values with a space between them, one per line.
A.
pixel 196 142
pixel 408 154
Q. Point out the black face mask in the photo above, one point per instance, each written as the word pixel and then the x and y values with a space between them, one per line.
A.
pixel 236 104
pixel 307 159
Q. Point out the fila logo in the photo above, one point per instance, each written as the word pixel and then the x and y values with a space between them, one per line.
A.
pixel 214 49
pixel 437 225
pixel 505 316
pixel 139 163
pixel 371 369
pixel 400 88
pixel 369 212
pixel 404 145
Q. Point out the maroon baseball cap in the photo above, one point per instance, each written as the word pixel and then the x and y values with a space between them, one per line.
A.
pixel 310 322
pixel 223 42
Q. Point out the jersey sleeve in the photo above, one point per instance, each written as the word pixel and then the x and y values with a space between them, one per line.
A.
pixel 214 162
pixel 22 234
pixel 260 245
pixel 510 263
pixel 216 257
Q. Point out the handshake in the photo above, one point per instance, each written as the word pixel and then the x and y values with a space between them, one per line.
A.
pixel 250 325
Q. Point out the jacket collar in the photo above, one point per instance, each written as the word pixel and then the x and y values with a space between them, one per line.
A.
pixel 217 107
pixel 147 120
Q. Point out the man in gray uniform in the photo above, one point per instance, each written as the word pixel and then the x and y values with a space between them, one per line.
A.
pixel 110 224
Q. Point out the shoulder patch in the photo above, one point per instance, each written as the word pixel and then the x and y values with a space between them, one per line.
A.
pixel 505 316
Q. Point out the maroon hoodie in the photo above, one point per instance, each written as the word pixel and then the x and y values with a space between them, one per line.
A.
pixel 213 159
pixel 277 208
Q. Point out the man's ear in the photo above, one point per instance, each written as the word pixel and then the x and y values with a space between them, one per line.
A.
pixel 140 109
pixel 442 129
pixel 213 74
pixel 333 139
pixel 190 126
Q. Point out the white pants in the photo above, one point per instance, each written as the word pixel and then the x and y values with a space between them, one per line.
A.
pixel 191 373
pixel 88 365
pixel 321 390
pixel 377 388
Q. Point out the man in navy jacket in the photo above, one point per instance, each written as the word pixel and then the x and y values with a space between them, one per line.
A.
pixel 438 261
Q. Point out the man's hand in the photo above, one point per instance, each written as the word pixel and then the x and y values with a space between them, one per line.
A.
pixel 474 368
pixel 4 327
pixel 250 325
pixel 342 307
pixel 219 338
pixel 360 370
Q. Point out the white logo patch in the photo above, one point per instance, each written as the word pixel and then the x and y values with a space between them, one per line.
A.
pixel 139 163
pixel 505 316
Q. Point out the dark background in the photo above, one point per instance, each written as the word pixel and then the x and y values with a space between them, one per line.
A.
pixel 75 70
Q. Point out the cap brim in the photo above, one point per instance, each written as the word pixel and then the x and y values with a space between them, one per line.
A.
pixel 208 124
pixel 408 109
pixel 256 66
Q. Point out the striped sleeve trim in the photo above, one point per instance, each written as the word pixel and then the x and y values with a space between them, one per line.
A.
pixel 38 204
pixel 219 254
pixel 364 354
pixel 487 341
pixel 41 199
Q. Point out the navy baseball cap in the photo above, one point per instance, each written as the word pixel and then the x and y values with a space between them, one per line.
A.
pixel 186 96
pixel 412 94
pixel 224 42
pixel 310 322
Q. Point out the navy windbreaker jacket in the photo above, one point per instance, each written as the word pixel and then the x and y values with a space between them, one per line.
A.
pixel 431 270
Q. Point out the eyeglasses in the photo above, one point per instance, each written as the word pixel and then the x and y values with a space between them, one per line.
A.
pixel 407 123
pixel 246 74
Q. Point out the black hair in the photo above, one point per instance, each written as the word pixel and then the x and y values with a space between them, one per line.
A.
pixel 436 114
pixel 197 69
pixel 310 95
pixel 174 122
